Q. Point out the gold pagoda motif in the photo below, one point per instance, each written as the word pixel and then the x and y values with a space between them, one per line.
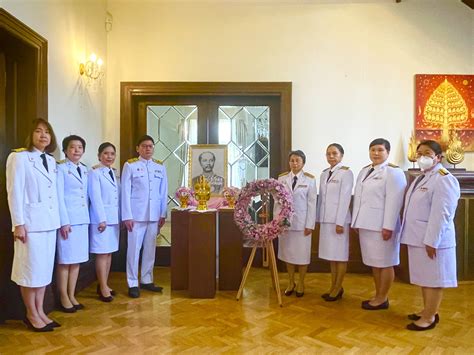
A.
pixel 445 109
pixel 412 148
pixel 202 191
pixel 455 151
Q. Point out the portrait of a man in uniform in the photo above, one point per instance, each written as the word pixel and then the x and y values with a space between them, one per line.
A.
pixel 209 161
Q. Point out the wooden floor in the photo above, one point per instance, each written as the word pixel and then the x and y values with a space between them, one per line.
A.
pixel 174 323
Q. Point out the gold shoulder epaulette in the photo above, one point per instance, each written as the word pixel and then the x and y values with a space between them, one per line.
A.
pixel 61 161
pixel 344 167
pixel 367 166
pixel 157 161
pixel 132 160
pixel 96 166
pixel 283 174
pixel 19 150
pixel 393 165
pixel 309 175
pixel 443 172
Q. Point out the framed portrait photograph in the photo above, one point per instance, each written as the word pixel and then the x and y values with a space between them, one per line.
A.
pixel 210 161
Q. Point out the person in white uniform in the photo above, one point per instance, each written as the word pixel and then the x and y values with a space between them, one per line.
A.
pixel 294 246
pixel 104 230
pixel 144 207
pixel 33 204
pixel 428 231
pixel 73 236
pixel 335 193
pixel 378 199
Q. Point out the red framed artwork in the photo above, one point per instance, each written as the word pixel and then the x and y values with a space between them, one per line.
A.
pixel 444 104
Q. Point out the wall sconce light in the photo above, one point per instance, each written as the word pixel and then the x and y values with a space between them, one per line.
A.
pixel 92 68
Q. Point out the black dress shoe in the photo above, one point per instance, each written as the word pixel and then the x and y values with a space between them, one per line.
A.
pixel 54 324
pixel 67 310
pixel 112 292
pixel 415 316
pixel 324 295
pixel 151 287
pixel 299 294
pixel 367 306
pixel 78 306
pixel 335 298
pixel 46 328
pixel 134 292
pixel 413 326
pixel 290 292
pixel 106 299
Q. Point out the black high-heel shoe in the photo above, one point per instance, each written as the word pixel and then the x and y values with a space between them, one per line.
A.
pixel 67 310
pixel 46 328
pixel 413 326
pixel 112 292
pixel 290 292
pixel 415 316
pixel 335 298
pixel 78 306
pixel 54 324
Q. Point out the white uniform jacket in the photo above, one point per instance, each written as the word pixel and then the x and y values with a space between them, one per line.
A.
pixel 304 200
pixel 144 190
pixel 379 198
pixel 335 196
pixel 104 195
pixel 32 193
pixel 430 209
pixel 72 193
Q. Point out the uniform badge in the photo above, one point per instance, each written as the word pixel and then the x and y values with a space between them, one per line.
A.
pixel 424 189
pixel 302 186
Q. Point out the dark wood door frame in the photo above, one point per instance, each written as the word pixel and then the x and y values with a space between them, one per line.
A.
pixel 131 93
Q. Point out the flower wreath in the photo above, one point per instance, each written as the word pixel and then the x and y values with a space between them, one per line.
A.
pixel 281 222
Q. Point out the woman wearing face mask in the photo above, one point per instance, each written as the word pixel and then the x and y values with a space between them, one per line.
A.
pixel 335 192
pixel 378 198
pixel 294 247
pixel 428 230
pixel 104 229
pixel 33 204
pixel 73 236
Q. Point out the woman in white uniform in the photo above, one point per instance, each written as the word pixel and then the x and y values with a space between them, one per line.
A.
pixel 73 239
pixel 378 199
pixel 335 193
pixel 104 190
pixel 294 246
pixel 428 230
pixel 33 204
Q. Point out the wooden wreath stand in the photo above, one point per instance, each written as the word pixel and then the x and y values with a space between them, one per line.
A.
pixel 267 250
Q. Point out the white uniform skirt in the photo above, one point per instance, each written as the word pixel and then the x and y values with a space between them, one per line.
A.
pixel 333 246
pixel 33 261
pixel 74 249
pixel 377 252
pixel 105 242
pixel 437 272
pixel 294 247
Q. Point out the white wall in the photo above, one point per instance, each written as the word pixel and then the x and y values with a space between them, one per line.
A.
pixel 73 29
pixel 352 63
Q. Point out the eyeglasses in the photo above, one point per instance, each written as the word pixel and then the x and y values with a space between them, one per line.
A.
pixel 147 146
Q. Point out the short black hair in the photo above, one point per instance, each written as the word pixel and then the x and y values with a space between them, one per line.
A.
pixel 434 146
pixel 298 153
pixel 200 155
pixel 105 145
pixel 380 141
pixel 337 146
pixel 71 138
pixel 144 138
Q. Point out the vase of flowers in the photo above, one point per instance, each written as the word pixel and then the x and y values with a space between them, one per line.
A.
pixel 184 194
pixel 230 194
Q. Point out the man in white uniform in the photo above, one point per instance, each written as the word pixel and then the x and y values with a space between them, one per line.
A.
pixel 144 201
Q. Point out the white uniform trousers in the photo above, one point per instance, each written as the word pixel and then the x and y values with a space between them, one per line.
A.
pixel 143 234
pixel 33 261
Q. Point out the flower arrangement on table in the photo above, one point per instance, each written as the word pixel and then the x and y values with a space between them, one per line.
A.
pixel 185 195
pixel 230 194
pixel 268 231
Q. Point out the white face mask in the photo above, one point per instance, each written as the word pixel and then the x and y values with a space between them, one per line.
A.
pixel 425 162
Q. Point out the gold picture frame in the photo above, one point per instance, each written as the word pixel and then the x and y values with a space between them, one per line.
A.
pixel 209 160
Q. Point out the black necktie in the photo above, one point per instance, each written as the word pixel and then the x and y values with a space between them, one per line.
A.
pixel 421 177
pixel 294 183
pixel 45 163
pixel 79 171
pixel 368 174
pixel 329 176
pixel 111 174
